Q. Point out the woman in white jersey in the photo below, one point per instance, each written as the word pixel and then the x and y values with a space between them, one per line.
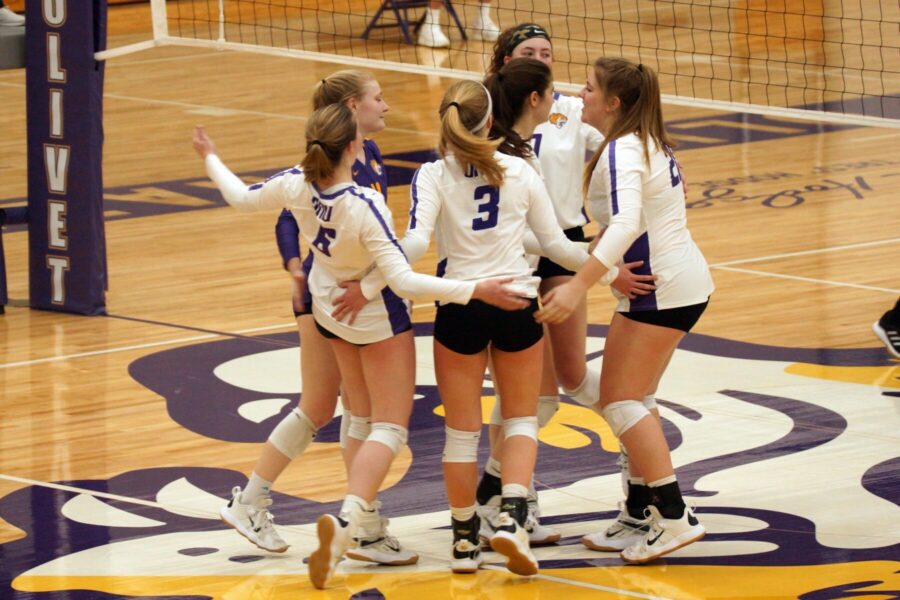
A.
pixel 559 144
pixel 635 180
pixel 349 229
pixel 480 204
pixel 248 510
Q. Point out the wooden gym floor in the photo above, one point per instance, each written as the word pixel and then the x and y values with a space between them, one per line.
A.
pixel 120 435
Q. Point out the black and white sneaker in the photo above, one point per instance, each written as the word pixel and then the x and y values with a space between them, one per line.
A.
pixel 889 334
pixel 665 536
pixel 511 539
pixel 622 533
pixel 465 556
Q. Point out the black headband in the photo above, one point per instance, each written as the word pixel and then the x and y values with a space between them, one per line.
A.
pixel 522 33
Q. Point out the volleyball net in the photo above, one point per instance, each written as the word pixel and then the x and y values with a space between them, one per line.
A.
pixel 820 59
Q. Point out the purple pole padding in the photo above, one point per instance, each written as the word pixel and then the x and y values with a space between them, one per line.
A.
pixel 64 98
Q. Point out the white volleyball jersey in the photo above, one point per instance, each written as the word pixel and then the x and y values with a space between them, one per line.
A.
pixel 561 145
pixel 645 208
pixel 350 230
pixel 480 229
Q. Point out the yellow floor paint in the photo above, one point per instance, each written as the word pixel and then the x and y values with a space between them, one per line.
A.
pixel 658 581
pixel 880 376
pixel 559 432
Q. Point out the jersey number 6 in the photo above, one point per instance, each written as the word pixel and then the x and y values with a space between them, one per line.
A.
pixel 490 208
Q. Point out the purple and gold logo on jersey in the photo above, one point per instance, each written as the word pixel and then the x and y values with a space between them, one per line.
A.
pixel 558 119
pixel 375 166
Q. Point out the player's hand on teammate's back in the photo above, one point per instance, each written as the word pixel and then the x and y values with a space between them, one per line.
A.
pixel 495 292
pixel 631 284
pixel 350 303
pixel 203 144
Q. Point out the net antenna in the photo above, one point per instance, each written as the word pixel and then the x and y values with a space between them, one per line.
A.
pixel 813 60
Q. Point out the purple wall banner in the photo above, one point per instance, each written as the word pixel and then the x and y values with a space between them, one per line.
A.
pixel 64 97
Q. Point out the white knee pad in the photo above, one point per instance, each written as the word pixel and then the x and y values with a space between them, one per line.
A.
pixel 546 408
pixel 345 429
pixel 650 401
pixel 526 426
pixel 390 434
pixel 624 415
pixel 461 446
pixel 360 428
pixel 496 414
pixel 293 434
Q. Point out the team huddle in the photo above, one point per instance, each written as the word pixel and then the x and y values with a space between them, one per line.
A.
pixel 506 207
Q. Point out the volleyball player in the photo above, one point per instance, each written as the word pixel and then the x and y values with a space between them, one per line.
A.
pixel 560 144
pixel 247 512
pixel 635 179
pixel 349 229
pixel 480 204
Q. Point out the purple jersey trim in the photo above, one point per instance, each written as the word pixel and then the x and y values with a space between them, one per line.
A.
pixel 415 200
pixel 324 196
pixel 292 170
pixel 612 177
pixel 640 250
pixel 398 314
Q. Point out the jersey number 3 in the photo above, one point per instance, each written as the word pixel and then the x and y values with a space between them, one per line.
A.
pixel 488 209
pixel 323 240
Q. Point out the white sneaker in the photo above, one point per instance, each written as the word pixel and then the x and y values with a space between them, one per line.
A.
pixel 383 549
pixel 334 539
pixel 465 556
pixel 253 521
pixel 665 536
pixel 374 544
pixel 511 541
pixel 538 535
pixel 488 513
pixel 432 36
pixel 485 30
pixel 10 19
pixel 624 531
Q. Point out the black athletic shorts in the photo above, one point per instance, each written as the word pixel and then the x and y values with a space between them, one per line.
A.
pixel 683 317
pixel 547 268
pixel 468 329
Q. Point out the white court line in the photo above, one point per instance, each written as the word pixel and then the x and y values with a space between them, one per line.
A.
pixel 810 280
pixel 591 586
pixel 297 530
pixel 744 261
pixel 195 338
pixel 142 346
pixel 241 111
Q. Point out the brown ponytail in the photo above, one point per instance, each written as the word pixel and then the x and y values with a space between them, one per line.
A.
pixel 465 106
pixel 637 88
pixel 328 133
pixel 339 87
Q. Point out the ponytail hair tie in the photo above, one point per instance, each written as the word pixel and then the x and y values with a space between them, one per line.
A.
pixel 323 82
pixel 456 104
pixel 641 67
pixel 315 142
